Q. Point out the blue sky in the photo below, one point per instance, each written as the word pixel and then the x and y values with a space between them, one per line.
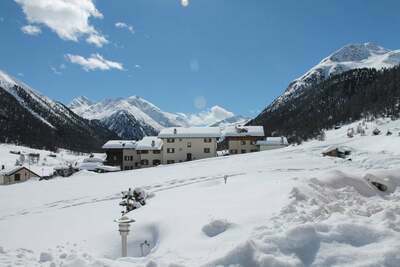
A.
pixel 239 54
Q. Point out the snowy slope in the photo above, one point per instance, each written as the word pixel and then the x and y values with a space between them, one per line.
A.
pixel 8 83
pixel 287 207
pixel 352 56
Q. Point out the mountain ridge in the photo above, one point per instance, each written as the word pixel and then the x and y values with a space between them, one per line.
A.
pixel 348 57
pixel 134 114
pixel 30 118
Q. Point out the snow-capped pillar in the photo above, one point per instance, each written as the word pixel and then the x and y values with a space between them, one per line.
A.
pixel 124 224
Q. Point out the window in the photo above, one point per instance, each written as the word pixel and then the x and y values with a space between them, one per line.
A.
pixel 206 150
pixel 114 157
pixel 180 139
pixel 156 151
pixel 131 158
pixel 156 162
pixel 17 177
pixel 189 144
pixel 243 151
pixel 254 150
pixel 126 158
pixel 233 151
pixel 126 168
pixel 170 150
pixel 144 162
pixel 144 152
pixel 243 142
pixel 207 140
pixel 254 142
pixel 136 164
pixel 170 161
pixel 170 140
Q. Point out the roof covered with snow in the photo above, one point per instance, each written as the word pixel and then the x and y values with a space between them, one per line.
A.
pixel 108 168
pixel 235 131
pixel 272 141
pixel 120 144
pixel 14 169
pixel 190 132
pixel 149 143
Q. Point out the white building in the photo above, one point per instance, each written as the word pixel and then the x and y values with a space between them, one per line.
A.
pixel 122 153
pixel 186 144
pixel 150 151
pixel 273 143
pixel 242 139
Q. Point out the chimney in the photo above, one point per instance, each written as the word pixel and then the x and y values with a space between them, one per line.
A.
pixel 153 143
pixel 175 131
pixel 3 167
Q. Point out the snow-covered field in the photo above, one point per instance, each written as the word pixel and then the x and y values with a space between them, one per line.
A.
pixel 287 207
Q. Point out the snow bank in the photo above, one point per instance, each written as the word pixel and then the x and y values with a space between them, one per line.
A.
pixel 335 220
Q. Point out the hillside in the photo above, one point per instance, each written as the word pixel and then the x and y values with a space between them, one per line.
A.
pixel 357 81
pixel 288 207
pixel 349 57
pixel 29 118
pixel 350 96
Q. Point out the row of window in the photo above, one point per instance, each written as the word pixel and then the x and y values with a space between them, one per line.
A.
pixel 147 152
pixel 244 142
pixel 172 150
pixel 172 140
pixel 243 151
pixel 143 162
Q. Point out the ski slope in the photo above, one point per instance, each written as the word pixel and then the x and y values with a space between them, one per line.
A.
pixel 286 207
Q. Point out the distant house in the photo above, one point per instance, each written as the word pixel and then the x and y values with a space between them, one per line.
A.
pixel 272 143
pixel 15 175
pixel 185 144
pixel 149 150
pixel 334 151
pixel 242 139
pixel 122 153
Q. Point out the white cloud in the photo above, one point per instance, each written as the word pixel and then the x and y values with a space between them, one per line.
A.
pixel 123 25
pixel 69 19
pixel 97 40
pixel 211 116
pixel 31 29
pixel 58 70
pixel 94 62
pixel 55 71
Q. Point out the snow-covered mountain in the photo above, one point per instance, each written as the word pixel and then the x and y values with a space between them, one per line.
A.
pixel 235 120
pixel 135 117
pixel 30 118
pixel 352 56
pixel 142 110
